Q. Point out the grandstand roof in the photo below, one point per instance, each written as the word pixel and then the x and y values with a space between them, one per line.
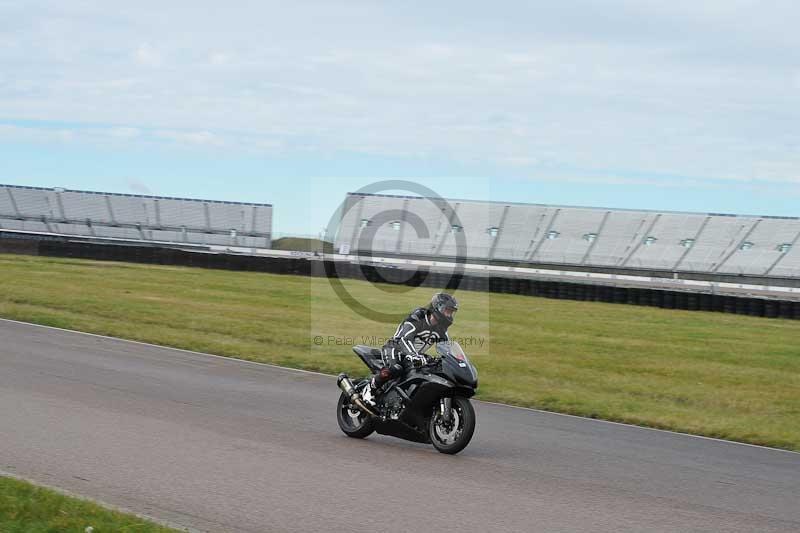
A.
pixel 61 189
pixel 90 214
pixel 560 206
pixel 714 243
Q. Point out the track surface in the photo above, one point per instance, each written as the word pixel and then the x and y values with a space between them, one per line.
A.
pixel 222 445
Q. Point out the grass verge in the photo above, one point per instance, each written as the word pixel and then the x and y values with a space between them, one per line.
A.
pixel 27 508
pixel 720 375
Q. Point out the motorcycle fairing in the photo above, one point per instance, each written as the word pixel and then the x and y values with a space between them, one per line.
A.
pixel 371 357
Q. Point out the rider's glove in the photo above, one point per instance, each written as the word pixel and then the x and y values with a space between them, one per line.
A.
pixel 417 359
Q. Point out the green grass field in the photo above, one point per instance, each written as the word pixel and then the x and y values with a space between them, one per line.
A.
pixel 302 244
pixel 25 508
pixel 729 376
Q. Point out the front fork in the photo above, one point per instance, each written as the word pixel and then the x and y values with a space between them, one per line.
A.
pixel 446 409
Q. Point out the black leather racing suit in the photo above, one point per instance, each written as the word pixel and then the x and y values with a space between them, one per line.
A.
pixel 411 340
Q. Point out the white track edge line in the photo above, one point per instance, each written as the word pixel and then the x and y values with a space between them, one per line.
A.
pixel 332 375
pixel 106 505
pixel 673 432
pixel 161 346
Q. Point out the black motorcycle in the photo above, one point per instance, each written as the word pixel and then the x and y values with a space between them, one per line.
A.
pixel 429 404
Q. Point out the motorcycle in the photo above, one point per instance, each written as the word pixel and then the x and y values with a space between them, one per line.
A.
pixel 429 404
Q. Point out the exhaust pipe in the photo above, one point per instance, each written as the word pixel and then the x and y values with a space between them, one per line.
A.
pixel 344 383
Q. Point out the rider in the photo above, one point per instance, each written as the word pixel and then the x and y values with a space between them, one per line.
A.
pixel 419 331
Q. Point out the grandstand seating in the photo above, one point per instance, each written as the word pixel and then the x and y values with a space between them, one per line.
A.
pixel 547 234
pixel 515 232
pixel 135 217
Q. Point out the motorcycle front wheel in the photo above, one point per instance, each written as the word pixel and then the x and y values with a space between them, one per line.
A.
pixel 453 436
pixel 352 421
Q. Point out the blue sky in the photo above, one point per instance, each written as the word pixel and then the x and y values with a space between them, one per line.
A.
pixel 681 106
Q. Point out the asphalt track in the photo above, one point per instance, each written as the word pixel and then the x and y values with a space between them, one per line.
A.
pixel 217 444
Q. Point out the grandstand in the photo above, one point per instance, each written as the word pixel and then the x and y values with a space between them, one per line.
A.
pixel 132 217
pixel 585 237
pixel 581 238
pixel 706 261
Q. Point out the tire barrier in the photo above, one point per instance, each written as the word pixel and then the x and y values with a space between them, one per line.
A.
pixel 669 300
pixel 302 266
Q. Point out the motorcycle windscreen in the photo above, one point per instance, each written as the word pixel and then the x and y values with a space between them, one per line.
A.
pixel 450 348
pixel 457 364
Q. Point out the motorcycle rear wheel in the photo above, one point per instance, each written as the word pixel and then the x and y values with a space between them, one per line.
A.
pixel 352 421
pixel 453 437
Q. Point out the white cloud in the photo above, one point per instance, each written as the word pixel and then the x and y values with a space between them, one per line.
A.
pixel 125 133
pixel 218 58
pixel 269 145
pixel 146 55
pixel 14 133
pixel 520 160
pixel 203 138
pixel 680 88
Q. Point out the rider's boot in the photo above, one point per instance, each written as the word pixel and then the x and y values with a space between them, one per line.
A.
pixel 370 392
pixel 372 389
